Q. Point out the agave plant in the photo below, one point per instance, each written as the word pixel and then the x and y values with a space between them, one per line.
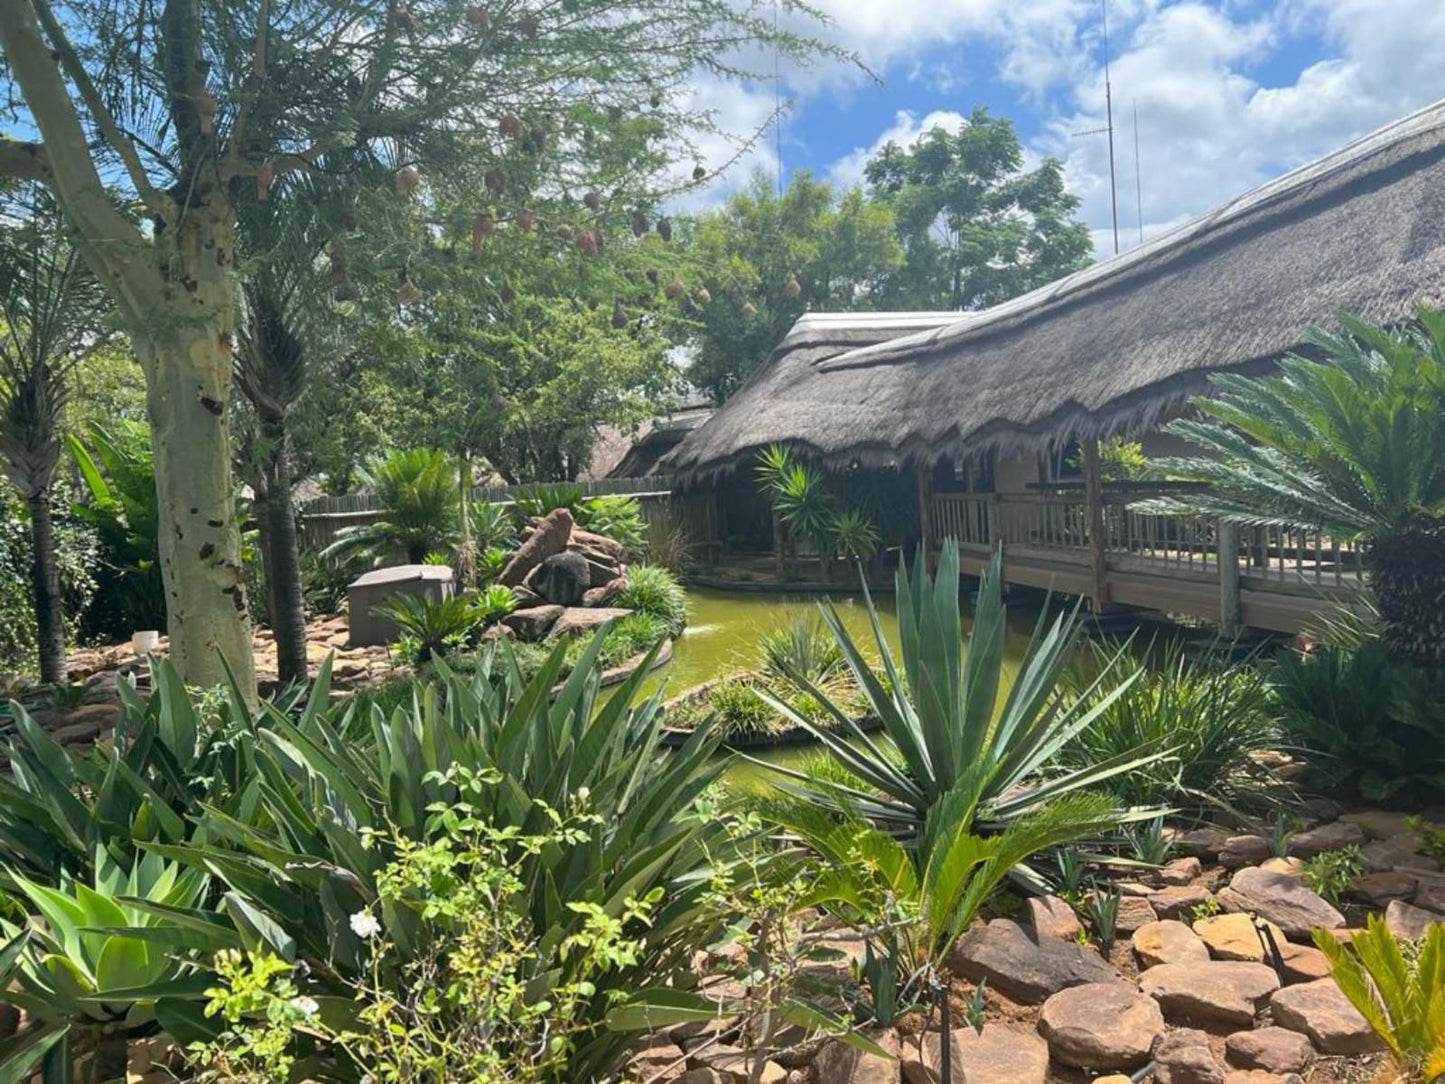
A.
pixel 493 526
pixel 417 489
pixel 1352 444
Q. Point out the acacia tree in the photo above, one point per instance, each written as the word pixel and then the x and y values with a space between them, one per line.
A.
pixel 187 102
pixel 51 317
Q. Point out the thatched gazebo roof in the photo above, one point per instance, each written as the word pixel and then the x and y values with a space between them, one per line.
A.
pixel 1112 347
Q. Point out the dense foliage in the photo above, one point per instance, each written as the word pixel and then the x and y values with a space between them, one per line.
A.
pixel 77 554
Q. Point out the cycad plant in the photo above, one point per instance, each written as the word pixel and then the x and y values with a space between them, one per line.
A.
pixel 417 489
pixel 51 311
pixel 1350 442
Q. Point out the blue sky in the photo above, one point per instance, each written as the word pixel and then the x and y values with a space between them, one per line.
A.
pixel 1229 92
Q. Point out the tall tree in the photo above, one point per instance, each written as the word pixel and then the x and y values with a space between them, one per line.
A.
pixel 51 316
pixel 765 259
pixel 976 227
pixel 186 100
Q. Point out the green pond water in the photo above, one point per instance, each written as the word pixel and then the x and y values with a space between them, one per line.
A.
pixel 725 629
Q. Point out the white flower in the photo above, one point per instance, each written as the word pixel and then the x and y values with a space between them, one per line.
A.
pixel 364 924
pixel 584 793
pixel 305 1004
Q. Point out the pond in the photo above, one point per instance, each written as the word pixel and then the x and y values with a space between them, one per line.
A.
pixel 725 630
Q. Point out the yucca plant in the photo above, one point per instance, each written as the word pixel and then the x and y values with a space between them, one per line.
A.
pixel 853 534
pixel 417 489
pixel 1401 993
pixel 1351 443
pixel 802 646
pixel 493 526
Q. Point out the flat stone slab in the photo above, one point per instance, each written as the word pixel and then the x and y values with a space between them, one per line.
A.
pixel 1220 991
pixel 1272 1049
pixel 1233 937
pixel 1184 1056
pixel 576 619
pixel 1134 912
pixel 1022 967
pixel 1179 901
pixel 533 622
pixel 1101 1026
pixel 1000 1055
pixel 1319 1010
pixel 1409 922
pixel 1167 941
pixel 1281 900
pixel 1049 916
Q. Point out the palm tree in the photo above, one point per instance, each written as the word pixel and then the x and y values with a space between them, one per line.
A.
pixel 1350 442
pixel 417 488
pixel 52 317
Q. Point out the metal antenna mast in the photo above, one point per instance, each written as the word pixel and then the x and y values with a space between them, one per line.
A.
pixel 1108 128
pixel 1138 177
pixel 777 100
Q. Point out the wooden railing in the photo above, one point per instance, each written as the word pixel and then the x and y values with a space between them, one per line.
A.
pixel 1055 525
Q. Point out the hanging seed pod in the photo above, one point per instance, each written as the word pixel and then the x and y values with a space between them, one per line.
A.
pixel 265 174
pixel 702 296
pixel 206 107
pixel 749 309
pixel 508 295
pixel 496 181
pixel 405 19
pixel 653 275
pixel 673 290
pixel 407 178
pixel 564 231
pixel 588 244
pixel 346 291
pixel 664 229
pixel 639 224
pixel 408 292
pixel 526 220
pixel 619 315
pixel 592 201
pixel 538 136
pixel 480 16
pixel 527 26
pixel 510 126
pixel 483 226
pixel 698 172
pixel 791 288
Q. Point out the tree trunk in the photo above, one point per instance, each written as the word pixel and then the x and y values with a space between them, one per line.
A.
pixel 1407 576
pixel 185 350
pixel 288 606
pixel 45 584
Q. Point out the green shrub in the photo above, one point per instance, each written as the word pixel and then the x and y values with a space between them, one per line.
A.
pixel 539 498
pixel 495 602
pixel 618 518
pixel 1331 873
pixel 490 563
pixel 1209 718
pixel 738 713
pixel 804 649
pixel 654 590
pixel 631 636
pixel 417 489
pixel 77 553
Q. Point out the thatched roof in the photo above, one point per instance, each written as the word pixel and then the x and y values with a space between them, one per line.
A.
pixel 1111 347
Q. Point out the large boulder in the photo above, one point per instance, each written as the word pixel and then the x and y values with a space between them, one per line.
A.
pixel 582 619
pixel 1022 967
pixel 1220 991
pixel 562 578
pixel 1101 1026
pixel 589 540
pixel 1321 1011
pixel 548 537
pixel 533 622
pixel 1282 900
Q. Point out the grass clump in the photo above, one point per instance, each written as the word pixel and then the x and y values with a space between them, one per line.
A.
pixel 653 590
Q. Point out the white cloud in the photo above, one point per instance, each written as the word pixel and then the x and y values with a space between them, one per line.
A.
pixel 906 130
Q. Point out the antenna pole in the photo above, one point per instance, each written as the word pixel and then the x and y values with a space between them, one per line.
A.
pixel 1138 177
pixel 1109 108
pixel 777 101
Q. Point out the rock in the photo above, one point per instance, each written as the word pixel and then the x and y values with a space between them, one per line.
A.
pixel 1100 1026
pixel 1133 913
pixel 1403 850
pixel 1259 1076
pixel 1321 1011
pixel 600 574
pixel 1222 991
pixel 1380 823
pixel 1303 963
pixel 1049 916
pixel 1023 968
pixel 1281 900
pixel 601 596
pixel 1408 922
pixel 839 1063
pixel 1168 941
pixel 1233 937
pixel 561 578
pixel 1178 901
pixel 735 1064
pixel 579 619
pixel 548 538
pixel 9 1020
pixel 84 723
pixel 1273 1049
pixel 1201 842
pixel 659 1055
pixel 1327 837
pixel 526 597
pixel 1290 867
pixel 532 623
pixel 1001 1055
pixel 703 1076
pixel 1184 1057
pixel 1378 889
pixel 611 547
pixel 1181 871
pixel 1243 851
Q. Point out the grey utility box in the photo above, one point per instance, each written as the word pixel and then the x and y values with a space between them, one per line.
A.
pixel 371 590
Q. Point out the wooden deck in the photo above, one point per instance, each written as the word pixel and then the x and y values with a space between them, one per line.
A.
pixel 1273 579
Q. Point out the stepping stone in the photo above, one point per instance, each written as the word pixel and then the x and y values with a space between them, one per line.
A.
pixel 1327 837
pixel 1179 901
pixel 1220 991
pixel 1281 900
pixel 1000 1055
pixel 1233 937
pixel 1133 913
pixel 1408 922
pixel 1272 1049
pixel 1321 1011
pixel 1181 871
pixel 1023 968
pixel 1259 1076
pixel 1184 1057
pixel 839 1063
pixel 1049 916
pixel 1167 941
pixel 1100 1026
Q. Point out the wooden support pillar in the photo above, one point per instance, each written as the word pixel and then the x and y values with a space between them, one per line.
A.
pixel 1094 517
pixel 924 475
pixel 1227 534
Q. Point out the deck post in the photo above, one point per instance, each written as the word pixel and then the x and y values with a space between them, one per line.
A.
pixel 1227 535
pixel 925 513
pixel 1094 512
